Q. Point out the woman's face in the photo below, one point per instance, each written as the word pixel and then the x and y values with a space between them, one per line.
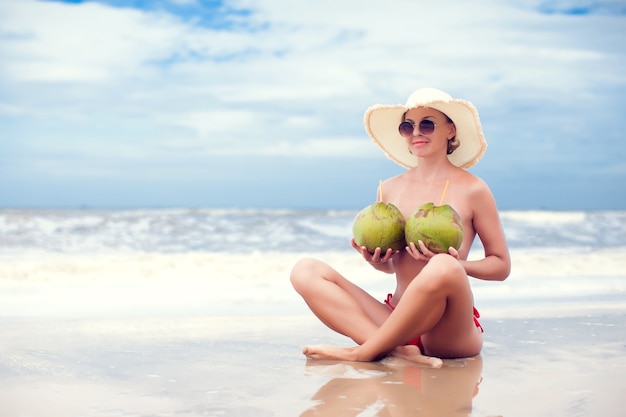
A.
pixel 424 143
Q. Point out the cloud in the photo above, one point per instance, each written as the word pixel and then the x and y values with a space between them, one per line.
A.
pixel 582 7
pixel 106 86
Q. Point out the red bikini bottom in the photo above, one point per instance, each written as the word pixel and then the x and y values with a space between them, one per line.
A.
pixel 417 341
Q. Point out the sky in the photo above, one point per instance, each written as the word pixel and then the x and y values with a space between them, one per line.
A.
pixel 260 103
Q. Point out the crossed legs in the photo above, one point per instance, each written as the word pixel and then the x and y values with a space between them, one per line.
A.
pixel 437 305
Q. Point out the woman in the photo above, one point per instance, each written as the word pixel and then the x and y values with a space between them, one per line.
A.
pixel 431 311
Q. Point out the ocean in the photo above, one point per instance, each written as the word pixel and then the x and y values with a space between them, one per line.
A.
pixel 242 231
pixel 64 261
pixel 191 312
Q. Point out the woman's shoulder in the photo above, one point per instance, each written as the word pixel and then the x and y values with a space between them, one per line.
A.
pixel 477 190
pixel 471 180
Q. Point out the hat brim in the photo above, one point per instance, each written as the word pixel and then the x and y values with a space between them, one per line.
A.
pixel 382 121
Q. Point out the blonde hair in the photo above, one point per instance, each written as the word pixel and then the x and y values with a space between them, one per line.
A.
pixel 453 142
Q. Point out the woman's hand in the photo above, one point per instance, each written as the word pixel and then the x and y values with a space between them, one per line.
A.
pixel 453 252
pixel 375 258
pixel 424 254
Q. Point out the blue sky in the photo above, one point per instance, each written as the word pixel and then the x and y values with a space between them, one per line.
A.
pixel 259 103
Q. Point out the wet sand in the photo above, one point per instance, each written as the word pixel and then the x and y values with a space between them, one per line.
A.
pixel 245 366
pixel 79 339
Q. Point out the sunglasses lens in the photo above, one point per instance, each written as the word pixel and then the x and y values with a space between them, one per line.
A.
pixel 406 129
pixel 427 127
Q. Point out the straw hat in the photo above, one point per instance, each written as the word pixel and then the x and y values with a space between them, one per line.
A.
pixel 382 121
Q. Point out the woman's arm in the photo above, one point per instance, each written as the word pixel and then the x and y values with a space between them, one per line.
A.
pixel 496 265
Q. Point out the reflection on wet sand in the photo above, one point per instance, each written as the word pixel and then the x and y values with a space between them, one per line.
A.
pixel 394 387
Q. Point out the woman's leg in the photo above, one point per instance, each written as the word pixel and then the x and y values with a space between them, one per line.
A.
pixel 338 303
pixel 437 305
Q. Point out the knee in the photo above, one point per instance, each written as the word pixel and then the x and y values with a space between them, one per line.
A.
pixel 303 273
pixel 446 263
pixel 443 270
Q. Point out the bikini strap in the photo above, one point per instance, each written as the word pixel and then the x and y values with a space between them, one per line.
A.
pixel 476 322
pixel 388 301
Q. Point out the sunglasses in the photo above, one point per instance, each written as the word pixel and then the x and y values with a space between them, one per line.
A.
pixel 425 127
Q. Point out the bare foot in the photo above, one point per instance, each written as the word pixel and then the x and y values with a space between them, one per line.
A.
pixel 412 353
pixel 329 352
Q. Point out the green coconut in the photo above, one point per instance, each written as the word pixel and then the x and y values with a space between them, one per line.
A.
pixel 439 227
pixel 379 225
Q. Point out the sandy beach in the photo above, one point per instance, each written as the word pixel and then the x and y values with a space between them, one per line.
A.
pixel 221 335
